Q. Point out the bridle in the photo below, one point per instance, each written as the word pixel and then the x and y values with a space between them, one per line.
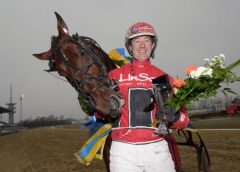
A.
pixel 87 77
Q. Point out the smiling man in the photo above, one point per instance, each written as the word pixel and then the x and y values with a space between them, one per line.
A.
pixel 142 47
pixel 135 146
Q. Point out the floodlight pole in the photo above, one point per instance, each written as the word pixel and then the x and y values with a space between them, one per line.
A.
pixel 21 113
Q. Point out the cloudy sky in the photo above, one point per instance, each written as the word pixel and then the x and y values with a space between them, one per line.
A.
pixel 188 30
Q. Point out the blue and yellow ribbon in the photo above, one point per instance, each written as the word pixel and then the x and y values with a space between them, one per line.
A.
pixel 89 123
pixel 190 128
pixel 93 148
pixel 118 57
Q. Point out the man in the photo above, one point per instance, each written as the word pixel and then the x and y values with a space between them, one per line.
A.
pixel 135 146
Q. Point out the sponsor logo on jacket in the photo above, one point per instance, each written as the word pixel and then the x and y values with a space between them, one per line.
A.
pixel 140 77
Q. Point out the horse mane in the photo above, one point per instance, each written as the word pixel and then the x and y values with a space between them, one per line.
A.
pixel 111 65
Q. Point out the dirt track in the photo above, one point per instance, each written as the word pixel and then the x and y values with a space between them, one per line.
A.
pixel 51 150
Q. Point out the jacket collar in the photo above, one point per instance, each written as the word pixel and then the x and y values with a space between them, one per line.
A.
pixel 140 64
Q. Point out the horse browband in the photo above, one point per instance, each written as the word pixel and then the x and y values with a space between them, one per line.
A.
pixel 79 86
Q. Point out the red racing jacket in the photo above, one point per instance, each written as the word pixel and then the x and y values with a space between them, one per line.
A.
pixel 135 82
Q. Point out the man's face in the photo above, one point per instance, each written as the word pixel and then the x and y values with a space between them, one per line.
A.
pixel 141 47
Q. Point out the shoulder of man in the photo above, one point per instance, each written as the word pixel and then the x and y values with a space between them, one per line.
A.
pixel 161 72
pixel 118 70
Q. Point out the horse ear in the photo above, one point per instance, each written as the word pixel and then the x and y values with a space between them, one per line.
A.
pixel 44 56
pixel 61 25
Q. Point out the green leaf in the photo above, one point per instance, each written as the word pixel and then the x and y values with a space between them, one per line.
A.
pixel 178 107
pixel 223 92
pixel 84 105
pixel 233 65
pixel 154 122
pixel 230 91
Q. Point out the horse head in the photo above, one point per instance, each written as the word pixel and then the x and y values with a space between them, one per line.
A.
pixel 85 65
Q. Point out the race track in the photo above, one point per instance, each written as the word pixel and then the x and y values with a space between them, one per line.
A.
pixel 51 150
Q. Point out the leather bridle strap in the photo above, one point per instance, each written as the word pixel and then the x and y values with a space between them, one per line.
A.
pixel 79 85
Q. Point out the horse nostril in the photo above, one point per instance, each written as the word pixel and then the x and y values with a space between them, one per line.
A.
pixel 114 103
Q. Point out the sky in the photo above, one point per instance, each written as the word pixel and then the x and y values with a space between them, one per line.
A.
pixel 188 32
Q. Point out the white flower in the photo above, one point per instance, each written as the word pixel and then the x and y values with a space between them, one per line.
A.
pixel 217 58
pixel 206 62
pixel 222 66
pixel 214 59
pixel 201 71
pixel 192 74
pixel 175 90
pixel 209 72
pixel 222 55
pixel 196 74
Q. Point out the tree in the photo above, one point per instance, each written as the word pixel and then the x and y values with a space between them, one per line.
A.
pixel 37 119
pixel 202 103
pixel 192 106
pixel 43 118
pixel 50 117
pixel 56 118
pixel 61 118
pixel 228 101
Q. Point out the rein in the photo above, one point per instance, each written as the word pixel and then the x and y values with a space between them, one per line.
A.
pixel 103 78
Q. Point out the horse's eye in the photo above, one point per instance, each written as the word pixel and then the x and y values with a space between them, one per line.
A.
pixel 82 53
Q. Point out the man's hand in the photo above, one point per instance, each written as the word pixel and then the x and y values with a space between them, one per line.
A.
pixel 167 114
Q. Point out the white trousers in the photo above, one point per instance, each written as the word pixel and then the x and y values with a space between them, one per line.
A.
pixel 153 157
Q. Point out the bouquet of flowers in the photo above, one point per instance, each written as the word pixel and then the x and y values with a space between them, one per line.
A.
pixel 203 82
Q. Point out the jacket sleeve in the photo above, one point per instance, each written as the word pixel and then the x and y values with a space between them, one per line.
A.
pixel 182 121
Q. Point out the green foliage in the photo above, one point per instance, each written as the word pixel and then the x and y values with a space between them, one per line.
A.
pixel 84 105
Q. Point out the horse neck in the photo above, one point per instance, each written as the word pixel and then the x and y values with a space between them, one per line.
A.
pixel 109 64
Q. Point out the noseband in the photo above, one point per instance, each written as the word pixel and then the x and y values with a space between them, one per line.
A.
pixel 87 77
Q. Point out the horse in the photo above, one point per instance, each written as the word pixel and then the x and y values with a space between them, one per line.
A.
pixel 85 65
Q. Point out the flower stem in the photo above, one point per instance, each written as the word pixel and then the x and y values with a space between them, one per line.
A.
pixel 187 93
